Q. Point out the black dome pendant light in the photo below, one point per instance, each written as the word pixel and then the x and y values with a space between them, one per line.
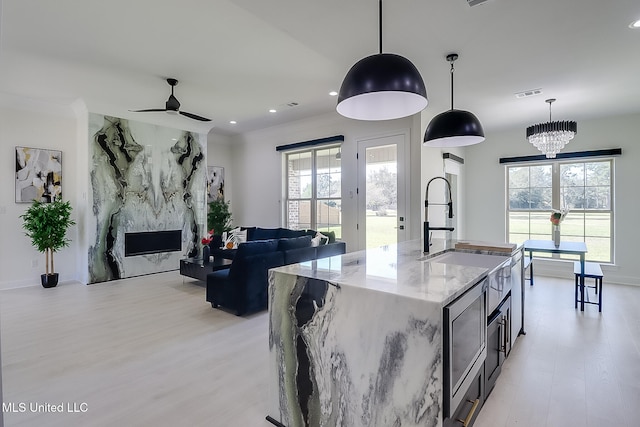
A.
pixel 384 86
pixel 453 128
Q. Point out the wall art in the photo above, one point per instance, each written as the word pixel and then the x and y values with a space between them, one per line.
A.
pixel 38 175
pixel 215 183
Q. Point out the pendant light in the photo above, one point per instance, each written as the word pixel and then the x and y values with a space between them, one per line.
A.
pixel 453 128
pixel 384 86
pixel 551 137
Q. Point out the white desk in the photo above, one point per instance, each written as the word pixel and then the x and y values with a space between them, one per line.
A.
pixel 571 248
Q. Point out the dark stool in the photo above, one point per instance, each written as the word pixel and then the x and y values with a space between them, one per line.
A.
pixel 591 270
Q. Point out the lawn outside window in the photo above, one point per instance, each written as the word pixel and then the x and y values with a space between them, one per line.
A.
pixel 583 187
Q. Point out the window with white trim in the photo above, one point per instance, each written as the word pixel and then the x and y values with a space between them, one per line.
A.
pixel 313 189
pixel 585 187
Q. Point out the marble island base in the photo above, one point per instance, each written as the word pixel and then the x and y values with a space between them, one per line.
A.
pixel 343 360
pixel 358 339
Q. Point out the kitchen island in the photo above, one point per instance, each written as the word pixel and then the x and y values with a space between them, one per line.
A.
pixel 357 339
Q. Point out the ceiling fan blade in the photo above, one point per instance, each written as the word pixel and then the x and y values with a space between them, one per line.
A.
pixel 148 111
pixel 172 105
pixel 195 117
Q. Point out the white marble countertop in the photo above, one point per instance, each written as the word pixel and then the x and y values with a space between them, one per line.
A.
pixel 400 269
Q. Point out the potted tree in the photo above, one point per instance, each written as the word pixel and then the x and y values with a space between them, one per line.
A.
pixel 219 216
pixel 46 224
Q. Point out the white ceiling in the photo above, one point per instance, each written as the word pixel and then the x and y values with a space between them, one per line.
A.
pixel 236 59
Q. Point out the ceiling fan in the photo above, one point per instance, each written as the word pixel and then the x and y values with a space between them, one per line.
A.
pixel 173 105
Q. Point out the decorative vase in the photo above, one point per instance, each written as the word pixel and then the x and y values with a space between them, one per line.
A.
pixel 206 252
pixel 556 235
pixel 49 280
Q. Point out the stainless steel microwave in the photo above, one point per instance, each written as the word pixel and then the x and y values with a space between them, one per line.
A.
pixel 465 344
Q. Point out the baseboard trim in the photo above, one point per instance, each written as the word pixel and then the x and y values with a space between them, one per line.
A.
pixel 5 286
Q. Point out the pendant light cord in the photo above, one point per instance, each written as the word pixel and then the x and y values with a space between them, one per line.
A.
pixel 452 85
pixel 380 25
pixel 452 58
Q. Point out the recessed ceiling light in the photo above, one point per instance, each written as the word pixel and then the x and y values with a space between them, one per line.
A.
pixel 333 93
pixel 233 122
pixel 635 24
pixel 272 110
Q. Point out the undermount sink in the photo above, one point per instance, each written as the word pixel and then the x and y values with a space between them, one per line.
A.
pixel 469 259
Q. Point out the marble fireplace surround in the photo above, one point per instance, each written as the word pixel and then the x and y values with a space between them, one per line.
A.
pixel 144 178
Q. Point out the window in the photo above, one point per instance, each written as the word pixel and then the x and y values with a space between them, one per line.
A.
pixel 313 190
pixel 586 188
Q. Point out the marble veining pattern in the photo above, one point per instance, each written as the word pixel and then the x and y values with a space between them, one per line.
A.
pixel 332 371
pixel 398 269
pixel 143 178
pixel 356 339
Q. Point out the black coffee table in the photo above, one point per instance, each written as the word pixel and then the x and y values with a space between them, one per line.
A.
pixel 194 268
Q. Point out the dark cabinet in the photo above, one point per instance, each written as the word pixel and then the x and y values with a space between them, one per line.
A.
pixel 498 343
pixel 467 412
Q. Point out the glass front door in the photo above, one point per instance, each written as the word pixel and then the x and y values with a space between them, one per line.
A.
pixel 381 191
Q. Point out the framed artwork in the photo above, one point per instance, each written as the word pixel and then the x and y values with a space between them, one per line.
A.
pixel 215 183
pixel 38 175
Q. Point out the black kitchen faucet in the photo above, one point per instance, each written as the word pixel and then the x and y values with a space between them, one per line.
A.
pixel 427 229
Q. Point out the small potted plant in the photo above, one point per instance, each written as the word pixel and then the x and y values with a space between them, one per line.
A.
pixel 46 224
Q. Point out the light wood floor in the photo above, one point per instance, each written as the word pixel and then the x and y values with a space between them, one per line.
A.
pixel 151 351
pixel 148 351
pixel 572 368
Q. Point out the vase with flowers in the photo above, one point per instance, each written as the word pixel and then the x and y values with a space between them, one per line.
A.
pixel 206 250
pixel 557 216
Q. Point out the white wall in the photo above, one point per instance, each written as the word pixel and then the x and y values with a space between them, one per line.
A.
pixel 20 263
pixel 257 168
pixel 30 123
pixel 253 181
pixel 485 182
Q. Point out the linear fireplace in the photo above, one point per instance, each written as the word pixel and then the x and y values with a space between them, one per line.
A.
pixel 152 242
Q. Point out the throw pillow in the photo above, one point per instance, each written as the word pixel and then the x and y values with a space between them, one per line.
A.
pixel 241 236
pixel 331 235
pixel 315 241
pixel 323 239
pixel 235 237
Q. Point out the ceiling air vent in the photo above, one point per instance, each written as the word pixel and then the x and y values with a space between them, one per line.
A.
pixel 476 2
pixel 528 93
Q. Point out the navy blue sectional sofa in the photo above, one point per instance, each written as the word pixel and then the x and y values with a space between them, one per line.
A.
pixel 258 233
pixel 243 286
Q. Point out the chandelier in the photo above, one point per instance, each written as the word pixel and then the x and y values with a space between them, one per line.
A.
pixel 551 137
